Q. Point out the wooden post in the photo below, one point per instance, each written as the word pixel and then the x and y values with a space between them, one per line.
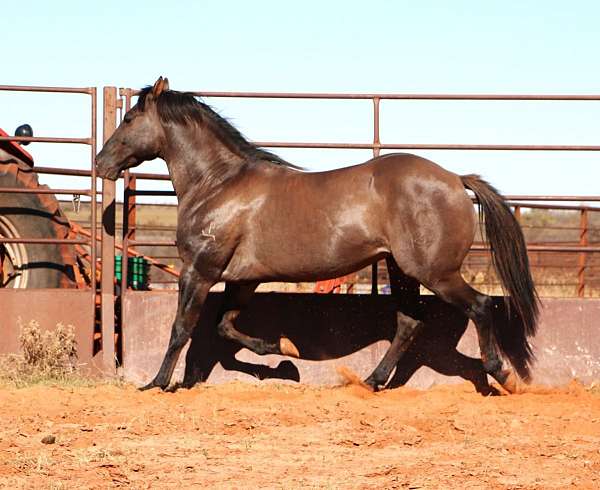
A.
pixel 107 287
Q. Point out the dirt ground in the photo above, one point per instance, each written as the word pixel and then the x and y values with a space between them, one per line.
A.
pixel 284 436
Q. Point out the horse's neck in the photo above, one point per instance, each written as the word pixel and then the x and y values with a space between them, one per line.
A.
pixel 199 162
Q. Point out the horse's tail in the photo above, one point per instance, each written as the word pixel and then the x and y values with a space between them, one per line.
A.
pixel 509 257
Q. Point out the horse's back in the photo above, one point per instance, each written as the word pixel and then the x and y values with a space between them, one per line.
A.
pixel 406 169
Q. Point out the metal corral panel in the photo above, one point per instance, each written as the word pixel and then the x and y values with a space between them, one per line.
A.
pixel 353 331
pixel 48 307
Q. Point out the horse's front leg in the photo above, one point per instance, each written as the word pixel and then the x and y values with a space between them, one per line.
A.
pixel 237 297
pixel 193 290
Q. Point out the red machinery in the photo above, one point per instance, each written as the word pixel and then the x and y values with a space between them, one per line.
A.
pixel 33 216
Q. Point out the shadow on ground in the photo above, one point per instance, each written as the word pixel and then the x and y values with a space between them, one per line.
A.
pixel 333 326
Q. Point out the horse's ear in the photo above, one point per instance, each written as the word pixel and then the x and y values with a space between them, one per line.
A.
pixel 160 86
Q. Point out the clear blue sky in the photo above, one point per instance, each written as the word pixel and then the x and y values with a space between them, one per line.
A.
pixel 337 46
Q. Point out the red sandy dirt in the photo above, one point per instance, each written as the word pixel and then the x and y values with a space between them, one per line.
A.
pixel 283 436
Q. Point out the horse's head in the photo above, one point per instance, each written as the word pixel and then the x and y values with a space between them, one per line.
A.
pixel 137 139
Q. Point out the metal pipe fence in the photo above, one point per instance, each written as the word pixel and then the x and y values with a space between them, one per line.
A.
pixel 91 192
pixel 582 248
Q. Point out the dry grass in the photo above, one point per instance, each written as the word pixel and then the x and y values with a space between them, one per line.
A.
pixel 33 463
pixel 46 356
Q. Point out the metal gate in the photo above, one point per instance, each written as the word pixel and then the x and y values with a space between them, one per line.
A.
pixel 51 306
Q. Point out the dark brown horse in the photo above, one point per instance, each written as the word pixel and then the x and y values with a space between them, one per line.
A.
pixel 246 216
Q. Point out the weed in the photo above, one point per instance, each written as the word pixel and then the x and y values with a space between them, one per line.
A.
pixel 45 355
pixel 30 463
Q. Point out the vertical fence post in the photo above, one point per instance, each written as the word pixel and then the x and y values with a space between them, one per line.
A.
pixel 108 243
pixel 376 149
pixel 94 204
pixel 128 210
pixel 583 241
pixel 129 225
pixel 518 213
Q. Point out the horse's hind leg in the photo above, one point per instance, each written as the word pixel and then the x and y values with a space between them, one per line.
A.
pixel 406 331
pixel 406 294
pixel 237 297
pixel 478 307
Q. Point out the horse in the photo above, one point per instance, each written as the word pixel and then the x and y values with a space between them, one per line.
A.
pixel 247 216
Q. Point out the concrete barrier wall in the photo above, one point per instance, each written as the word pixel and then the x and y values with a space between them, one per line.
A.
pixel 353 331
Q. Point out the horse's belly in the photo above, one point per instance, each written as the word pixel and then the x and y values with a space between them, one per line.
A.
pixel 300 261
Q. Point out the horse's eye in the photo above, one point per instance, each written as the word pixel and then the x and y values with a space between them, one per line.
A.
pixel 127 118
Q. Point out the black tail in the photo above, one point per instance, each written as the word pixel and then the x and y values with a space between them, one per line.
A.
pixel 509 256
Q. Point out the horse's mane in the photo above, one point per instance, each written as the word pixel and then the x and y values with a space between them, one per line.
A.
pixel 185 107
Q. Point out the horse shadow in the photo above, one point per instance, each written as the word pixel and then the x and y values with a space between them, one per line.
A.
pixel 333 326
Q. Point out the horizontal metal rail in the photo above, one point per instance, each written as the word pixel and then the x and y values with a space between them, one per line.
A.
pixel 509 197
pixel 549 285
pixel 513 198
pixel 152 193
pixel 475 247
pixel 558 207
pixel 384 96
pixel 152 243
pixel 53 241
pixel 548 248
pixel 148 176
pixel 62 171
pixel 32 88
pixel 20 190
pixel 425 146
pixel 44 139
pixel 516 200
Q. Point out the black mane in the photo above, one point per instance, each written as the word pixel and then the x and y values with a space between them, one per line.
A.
pixel 185 107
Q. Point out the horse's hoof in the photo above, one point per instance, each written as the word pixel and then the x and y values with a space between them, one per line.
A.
pixel 512 384
pixel 151 386
pixel 287 348
pixel 147 387
pixel 371 385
